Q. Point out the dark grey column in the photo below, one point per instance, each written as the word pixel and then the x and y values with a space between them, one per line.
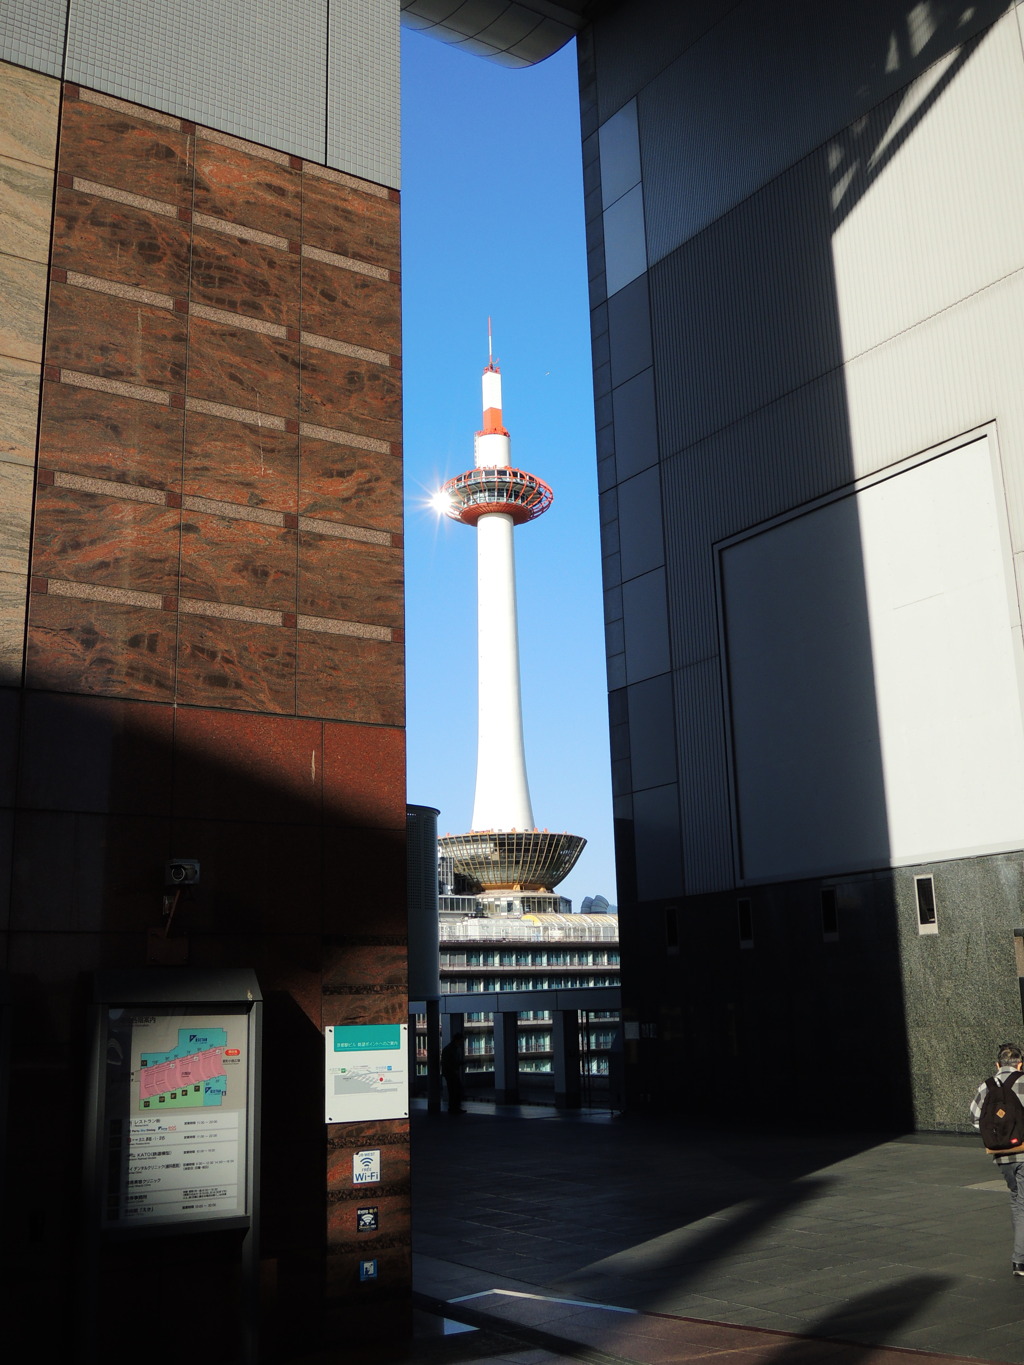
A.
pixel 506 1057
pixel 565 1044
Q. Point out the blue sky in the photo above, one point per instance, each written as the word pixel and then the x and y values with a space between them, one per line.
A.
pixel 492 225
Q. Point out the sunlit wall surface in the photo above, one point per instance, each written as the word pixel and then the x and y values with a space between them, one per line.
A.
pixel 807 284
pixel 201 619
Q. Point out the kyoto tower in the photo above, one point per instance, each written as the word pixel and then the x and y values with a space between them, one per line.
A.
pixel 504 850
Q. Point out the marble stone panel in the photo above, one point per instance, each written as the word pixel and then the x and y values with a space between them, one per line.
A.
pixel 29 104
pixel 43 873
pixel 283 962
pixel 103 648
pixel 104 436
pixel 244 369
pixel 239 462
pixel 93 538
pixel 7 859
pixel 119 242
pixel 350 395
pixel 257 767
pixel 351 307
pixel 13 605
pixel 23 291
pixel 251 190
pixel 244 277
pixel 344 677
pixel 365 971
pixel 359 487
pixel 225 559
pixel 350 580
pixel 240 665
pixel 114 148
pixel 394 1214
pixel 19 410
pixel 15 517
pixel 246 887
pixel 118 865
pixel 350 223
pixel 97 754
pixel 26 196
pixel 116 338
pixel 364 775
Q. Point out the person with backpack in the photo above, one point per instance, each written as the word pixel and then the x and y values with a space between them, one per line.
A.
pixel 997 1111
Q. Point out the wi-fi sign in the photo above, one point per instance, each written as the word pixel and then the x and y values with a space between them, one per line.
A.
pixel 366 1167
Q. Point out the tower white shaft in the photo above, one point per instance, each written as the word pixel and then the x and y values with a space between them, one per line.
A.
pixel 502 795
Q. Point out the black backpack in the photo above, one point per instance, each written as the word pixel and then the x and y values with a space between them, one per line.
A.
pixel 1002 1115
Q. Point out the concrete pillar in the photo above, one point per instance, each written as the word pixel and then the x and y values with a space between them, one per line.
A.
pixel 506 1057
pixel 565 1044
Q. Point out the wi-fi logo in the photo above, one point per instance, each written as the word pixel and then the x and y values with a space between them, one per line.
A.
pixel 366 1161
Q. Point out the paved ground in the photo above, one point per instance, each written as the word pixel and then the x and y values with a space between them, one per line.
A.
pixel 607 1240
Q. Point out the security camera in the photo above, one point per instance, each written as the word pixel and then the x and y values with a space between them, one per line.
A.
pixel 181 872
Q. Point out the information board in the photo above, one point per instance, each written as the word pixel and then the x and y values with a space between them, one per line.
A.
pixel 176 1115
pixel 366 1072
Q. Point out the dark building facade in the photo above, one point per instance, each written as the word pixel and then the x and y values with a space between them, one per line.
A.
pixel 805 287
pixel 202 617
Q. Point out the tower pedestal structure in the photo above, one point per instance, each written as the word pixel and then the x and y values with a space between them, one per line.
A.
pixel 504 850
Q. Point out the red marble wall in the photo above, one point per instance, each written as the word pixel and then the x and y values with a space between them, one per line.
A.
pixel 214 652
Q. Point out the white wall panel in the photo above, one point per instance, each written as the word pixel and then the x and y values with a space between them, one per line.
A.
pixel 255 68
pixel 316 78
pixel 875 677
pixel 32 34
pixel 363 89
pixel 769 83
pixel 942 218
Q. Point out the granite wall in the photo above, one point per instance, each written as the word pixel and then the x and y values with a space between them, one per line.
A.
pixel 213 661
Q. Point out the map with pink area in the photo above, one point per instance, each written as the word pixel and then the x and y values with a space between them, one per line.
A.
pixel 202 1066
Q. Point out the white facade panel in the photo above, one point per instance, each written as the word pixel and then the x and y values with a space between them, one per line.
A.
pixel 619 143
pixel 315 78
pixel 363 90
pixel 769 83
pixel 32 34
pixel 874 677
pixel 625 252
pixel 940 217
pixel 254 68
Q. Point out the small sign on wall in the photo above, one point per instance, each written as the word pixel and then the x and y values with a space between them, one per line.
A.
pixel 366 1072
pixel 366 1167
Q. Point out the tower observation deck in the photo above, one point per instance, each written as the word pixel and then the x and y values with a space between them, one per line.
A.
pixel 504 849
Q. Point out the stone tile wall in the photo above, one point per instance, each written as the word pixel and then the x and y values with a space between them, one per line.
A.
pixel 218 518
pixel 29 106
pixel 214 662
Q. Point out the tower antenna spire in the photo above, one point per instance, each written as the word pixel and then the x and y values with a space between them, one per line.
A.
pixel 490 348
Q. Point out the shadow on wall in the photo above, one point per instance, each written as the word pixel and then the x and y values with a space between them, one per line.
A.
pixel 299 827
pixel 753 420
